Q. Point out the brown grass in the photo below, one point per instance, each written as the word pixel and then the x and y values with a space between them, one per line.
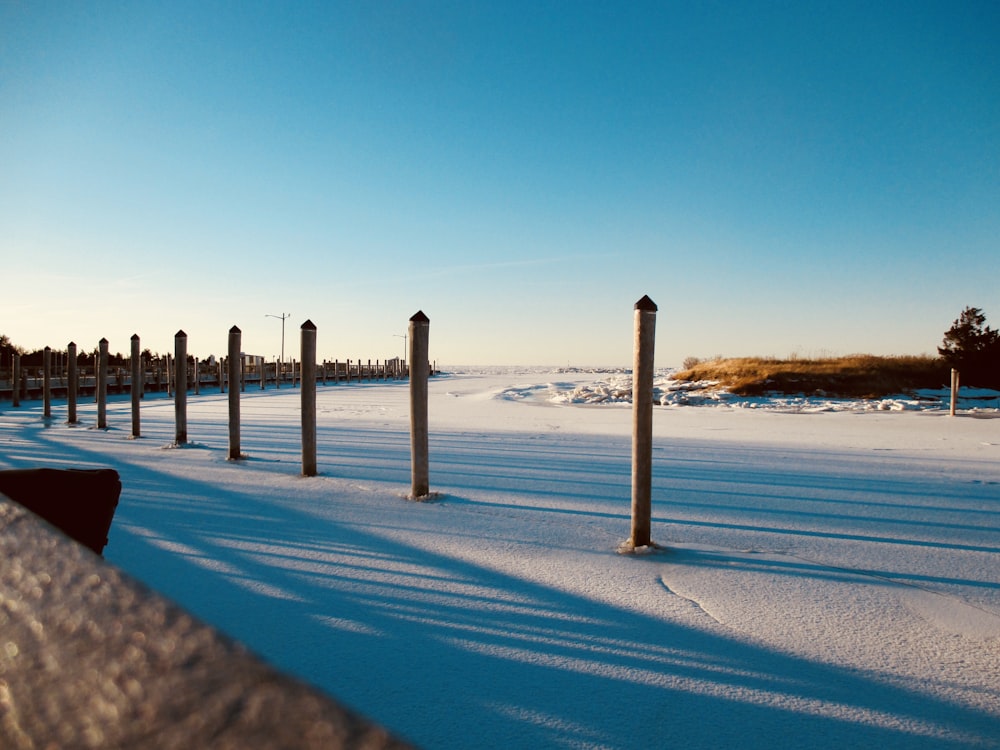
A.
pixel 854 376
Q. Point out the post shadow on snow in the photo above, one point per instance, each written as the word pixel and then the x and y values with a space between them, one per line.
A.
pixel 604 478
pixel 315 597
pixel 801 567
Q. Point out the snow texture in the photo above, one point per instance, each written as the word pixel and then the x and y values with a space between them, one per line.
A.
pixel 827 572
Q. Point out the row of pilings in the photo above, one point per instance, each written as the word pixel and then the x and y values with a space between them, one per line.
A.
pixel 418 336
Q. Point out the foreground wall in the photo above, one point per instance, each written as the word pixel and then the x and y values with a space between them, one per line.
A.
pixel 91 659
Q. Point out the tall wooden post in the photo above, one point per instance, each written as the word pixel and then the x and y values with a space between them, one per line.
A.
pixel 15 380
pixel 47 383
pixel 72 383
pixel 260 372
pixel 136 390
pixel 954 391
pixel 102 384
pixel 180 387
pixel 419 336
pixel 642 422
pixel 307 370
pixel 233 361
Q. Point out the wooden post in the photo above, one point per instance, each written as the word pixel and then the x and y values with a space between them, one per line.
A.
pixel 419 336
pixel 136 389
pixel 307 369
pixel 101 376
pixel 180 388
pixel 260 371
pixel 954 390
pixel 233 360
pixel 197 378
pixel 47 383
pixel 15 380
pixel 72 384
pixel 642 422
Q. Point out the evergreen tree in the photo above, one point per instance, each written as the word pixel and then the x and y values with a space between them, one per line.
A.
pixel 973 348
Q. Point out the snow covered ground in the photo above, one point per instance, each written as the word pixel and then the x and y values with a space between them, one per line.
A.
pixel 829 578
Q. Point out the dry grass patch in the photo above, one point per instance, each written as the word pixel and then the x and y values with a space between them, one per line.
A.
pixel 854 376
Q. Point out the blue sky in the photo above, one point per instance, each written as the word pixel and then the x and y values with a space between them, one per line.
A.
pixel 780 178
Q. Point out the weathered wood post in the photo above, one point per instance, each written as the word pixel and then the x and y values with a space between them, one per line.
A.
pixel 233 361
pixel 180 388
pixel 47 383
pixel 136 389
pixel 15 380
pixel 419 335
pixel 197 378
pixel 307 372
pixel 954 390
pixel 72 384
pixel 261 372
pixel 642 422
pixel 102 384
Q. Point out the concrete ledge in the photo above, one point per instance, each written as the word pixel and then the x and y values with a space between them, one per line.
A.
pixel 92 659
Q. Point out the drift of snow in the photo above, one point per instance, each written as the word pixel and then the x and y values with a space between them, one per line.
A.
pixel 828 575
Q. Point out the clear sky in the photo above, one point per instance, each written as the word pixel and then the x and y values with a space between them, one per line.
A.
pixel 780 178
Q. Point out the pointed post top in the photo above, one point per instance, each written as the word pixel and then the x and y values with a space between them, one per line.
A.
pixel 103 342
pixel 70 344
pixel 308 326
pixel 135 337
pixel 180 335
pixel 646 304
pixel 234 329
pixel 419 317
pixel 47 349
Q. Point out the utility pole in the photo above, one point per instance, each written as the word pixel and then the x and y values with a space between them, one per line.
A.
pixel 283 317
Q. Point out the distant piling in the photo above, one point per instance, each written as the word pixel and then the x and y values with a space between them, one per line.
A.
pixel 47 383
pixel 136 389
pixel 15 380
pixel 955 377
pixel 102 384
pixel 180 388
pixel 72 383
pixel 233 363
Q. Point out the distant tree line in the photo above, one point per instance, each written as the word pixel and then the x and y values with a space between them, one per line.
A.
pixel 35 358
